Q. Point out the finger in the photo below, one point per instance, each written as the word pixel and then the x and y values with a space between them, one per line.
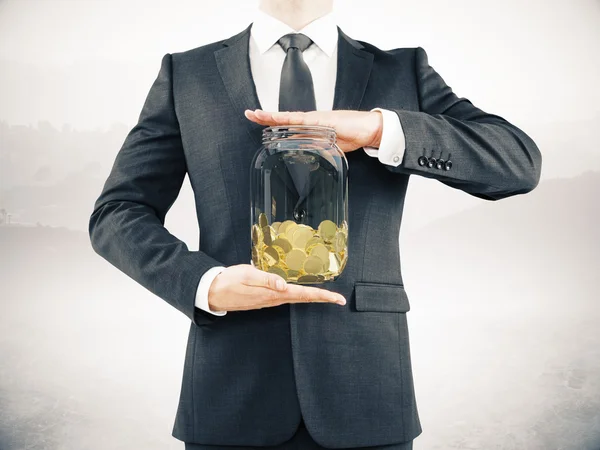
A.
pixel 255 277
pixel 286 117
pixel 305 294
pixel 251 115
pixel 289 118
pixel 265 118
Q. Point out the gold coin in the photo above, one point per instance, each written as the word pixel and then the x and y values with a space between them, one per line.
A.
pixel 271 256
pixel 314 240
pixel 342 264
pixel 295 259
pixel 275 226
pixel 257 237
pixel 255 257
pixel 340 241
pixel 284 243
pixel 308 279
pixel 293 273
pixel 279 271
pixel 324 259
pixel 290 230
pixel 319 250
pixel 313 264
pixel 333 263
pixel 280 252
pixel 301 236
pixel 268 235
pixel 284 225
pixel 282 262
pixel 262 220
pixel 327 230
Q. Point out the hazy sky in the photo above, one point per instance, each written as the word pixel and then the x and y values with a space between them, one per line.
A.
pixel 513 291
pixel 91 62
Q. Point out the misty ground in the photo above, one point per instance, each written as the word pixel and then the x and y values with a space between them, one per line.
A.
pixel 504 327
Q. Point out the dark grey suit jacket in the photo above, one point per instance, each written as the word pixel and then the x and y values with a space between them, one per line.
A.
pixel 250 375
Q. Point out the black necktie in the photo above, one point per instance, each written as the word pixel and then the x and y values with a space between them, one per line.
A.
pixel 296 91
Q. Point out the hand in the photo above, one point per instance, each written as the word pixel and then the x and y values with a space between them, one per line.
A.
pixel 354 129
pixel 243 287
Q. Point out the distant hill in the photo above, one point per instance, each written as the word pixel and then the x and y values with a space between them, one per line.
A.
pixel 550 233
pixel 46 253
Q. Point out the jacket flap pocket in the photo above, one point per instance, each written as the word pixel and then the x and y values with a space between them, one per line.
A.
pixel 382 297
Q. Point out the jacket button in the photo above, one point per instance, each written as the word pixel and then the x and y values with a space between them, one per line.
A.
pixel 448 165
pixel 431 163
pixel 299 213
pixel 440 164
pixel 422 160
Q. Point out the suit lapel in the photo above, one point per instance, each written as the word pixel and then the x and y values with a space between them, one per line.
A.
pixel 233 63
pixel 353 70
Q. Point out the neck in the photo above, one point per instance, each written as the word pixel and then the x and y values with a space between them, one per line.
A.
pixel 296 13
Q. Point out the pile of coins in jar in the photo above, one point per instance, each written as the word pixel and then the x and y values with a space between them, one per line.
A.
pixel 298 252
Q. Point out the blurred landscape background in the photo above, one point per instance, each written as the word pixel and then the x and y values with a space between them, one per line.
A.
pixel 505 315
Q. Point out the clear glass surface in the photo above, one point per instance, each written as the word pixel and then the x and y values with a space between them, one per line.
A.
pixel 299 208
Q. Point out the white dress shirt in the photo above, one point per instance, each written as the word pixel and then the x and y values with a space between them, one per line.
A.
pixel 266 61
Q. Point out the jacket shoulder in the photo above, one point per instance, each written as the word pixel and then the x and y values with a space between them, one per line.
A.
pixel 399 52
pixel 201 51
pixel 208 49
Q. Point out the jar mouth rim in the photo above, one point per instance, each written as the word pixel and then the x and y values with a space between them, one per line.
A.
pixel 276 132
pixel 299 127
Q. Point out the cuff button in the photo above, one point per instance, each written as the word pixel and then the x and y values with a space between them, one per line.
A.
pixel 431 163
pixel 422 161
pixel 448 165
pixel 440 164
pixel 396 158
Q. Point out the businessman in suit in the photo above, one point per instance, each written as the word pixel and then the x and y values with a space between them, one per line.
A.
pixel 269 363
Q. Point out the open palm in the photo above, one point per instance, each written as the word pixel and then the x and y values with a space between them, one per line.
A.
pixel 354 129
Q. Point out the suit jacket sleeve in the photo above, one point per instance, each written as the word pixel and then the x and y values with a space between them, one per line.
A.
pixel 127 224
pixel 491 158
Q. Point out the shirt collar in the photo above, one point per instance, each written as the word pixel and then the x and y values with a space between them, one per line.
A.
pixel 266 31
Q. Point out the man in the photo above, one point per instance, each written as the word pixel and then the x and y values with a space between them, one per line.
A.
pixel 272 364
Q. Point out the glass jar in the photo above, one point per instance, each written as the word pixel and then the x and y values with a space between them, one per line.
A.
pixel 299 204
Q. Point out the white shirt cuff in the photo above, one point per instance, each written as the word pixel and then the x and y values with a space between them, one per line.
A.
pixel 393 142
pixel 203 287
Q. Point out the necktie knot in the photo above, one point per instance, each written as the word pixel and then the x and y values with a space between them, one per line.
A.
pixel 295 40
